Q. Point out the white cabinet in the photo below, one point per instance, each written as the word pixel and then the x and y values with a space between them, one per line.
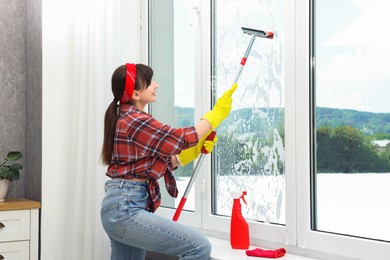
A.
pixel 19 229
pixel 14 250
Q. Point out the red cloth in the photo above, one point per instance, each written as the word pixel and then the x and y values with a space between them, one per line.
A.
pixel 266 253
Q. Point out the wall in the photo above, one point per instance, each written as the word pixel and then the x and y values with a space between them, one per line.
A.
pixel 33 99
pixel 21 91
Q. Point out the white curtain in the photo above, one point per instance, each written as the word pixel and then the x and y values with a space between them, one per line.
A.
pixel 83 42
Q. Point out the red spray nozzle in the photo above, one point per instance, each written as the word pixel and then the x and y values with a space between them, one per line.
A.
pixel 238 195
pixel 243 198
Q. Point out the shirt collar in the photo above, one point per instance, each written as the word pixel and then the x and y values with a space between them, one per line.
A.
pixel 128 108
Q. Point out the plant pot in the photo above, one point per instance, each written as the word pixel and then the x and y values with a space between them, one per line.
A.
pixel 3 189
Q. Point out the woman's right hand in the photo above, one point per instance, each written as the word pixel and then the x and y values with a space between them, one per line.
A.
pixel 221 109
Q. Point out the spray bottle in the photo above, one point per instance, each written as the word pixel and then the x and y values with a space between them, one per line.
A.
pixel 239 229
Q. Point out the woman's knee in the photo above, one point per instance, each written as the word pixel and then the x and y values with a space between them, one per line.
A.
pixel 208 248
pixel 205 249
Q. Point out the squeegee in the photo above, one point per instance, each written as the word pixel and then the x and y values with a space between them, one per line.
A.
pixel 254 33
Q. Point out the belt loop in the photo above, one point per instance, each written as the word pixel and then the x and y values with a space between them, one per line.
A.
pixel 121 184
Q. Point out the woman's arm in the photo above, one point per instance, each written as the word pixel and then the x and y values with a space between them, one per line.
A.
pixel 202 128
pixel 175 162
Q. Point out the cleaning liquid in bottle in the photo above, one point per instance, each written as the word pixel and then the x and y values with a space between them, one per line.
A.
pixel 239 229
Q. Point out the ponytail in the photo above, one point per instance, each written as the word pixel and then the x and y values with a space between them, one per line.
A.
pixel 110 119
pixel 118 87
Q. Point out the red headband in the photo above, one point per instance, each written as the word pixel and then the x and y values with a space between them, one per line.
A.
pixel 130 82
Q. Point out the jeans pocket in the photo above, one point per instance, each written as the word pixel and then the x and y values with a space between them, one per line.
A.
pixel 119 205
pixel 112 199
pixel 124 200
pixel 137 197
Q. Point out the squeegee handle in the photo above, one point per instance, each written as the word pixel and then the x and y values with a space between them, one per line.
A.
pixel 179 209
pixel 210 137
pixel 243 60
pixel 183 200
pixel 190 183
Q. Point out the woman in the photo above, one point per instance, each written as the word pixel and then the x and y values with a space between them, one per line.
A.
pixel 138 151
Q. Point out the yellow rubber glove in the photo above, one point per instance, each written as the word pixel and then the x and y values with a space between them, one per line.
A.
pixel 221 109
pixel 190 154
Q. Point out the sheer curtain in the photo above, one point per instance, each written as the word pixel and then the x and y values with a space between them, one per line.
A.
pixel 83 42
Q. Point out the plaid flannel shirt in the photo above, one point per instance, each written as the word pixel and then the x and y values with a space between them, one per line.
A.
pixel 143 148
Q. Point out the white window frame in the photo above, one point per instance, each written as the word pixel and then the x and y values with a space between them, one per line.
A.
pixel 310 240
pixel 296 235
pixel 219 225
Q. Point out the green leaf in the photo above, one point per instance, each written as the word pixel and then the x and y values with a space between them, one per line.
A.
pixel 4 172
pixel 14 175
pixel 16 166
pixel 14 156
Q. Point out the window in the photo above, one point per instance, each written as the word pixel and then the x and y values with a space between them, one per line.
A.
pixel 253 153
pixel 280 142
pixel 250 155
pixel 351 81
pixel 172 55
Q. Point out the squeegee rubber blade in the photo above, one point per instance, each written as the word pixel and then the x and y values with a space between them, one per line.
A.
pixel 254 32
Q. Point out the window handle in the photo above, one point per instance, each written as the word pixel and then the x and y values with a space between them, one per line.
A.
pixel 195 15
pixel 2 226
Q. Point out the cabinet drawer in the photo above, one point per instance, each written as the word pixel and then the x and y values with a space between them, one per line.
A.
pixel 14 250
pixel 14 225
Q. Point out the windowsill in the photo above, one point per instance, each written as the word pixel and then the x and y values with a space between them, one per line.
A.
pixel 223 251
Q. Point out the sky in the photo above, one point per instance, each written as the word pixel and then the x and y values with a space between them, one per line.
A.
pixel 352 57
pixel 184 52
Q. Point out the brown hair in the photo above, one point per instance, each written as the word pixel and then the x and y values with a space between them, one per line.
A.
pixel 118 80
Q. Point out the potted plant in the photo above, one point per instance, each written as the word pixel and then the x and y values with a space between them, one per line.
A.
pixel 9 171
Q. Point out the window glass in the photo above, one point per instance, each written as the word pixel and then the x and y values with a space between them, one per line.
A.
pixel 351 108
pixel 250 151
pixel 171 55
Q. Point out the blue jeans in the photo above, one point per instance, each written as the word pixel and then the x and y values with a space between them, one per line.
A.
pixel 133 230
